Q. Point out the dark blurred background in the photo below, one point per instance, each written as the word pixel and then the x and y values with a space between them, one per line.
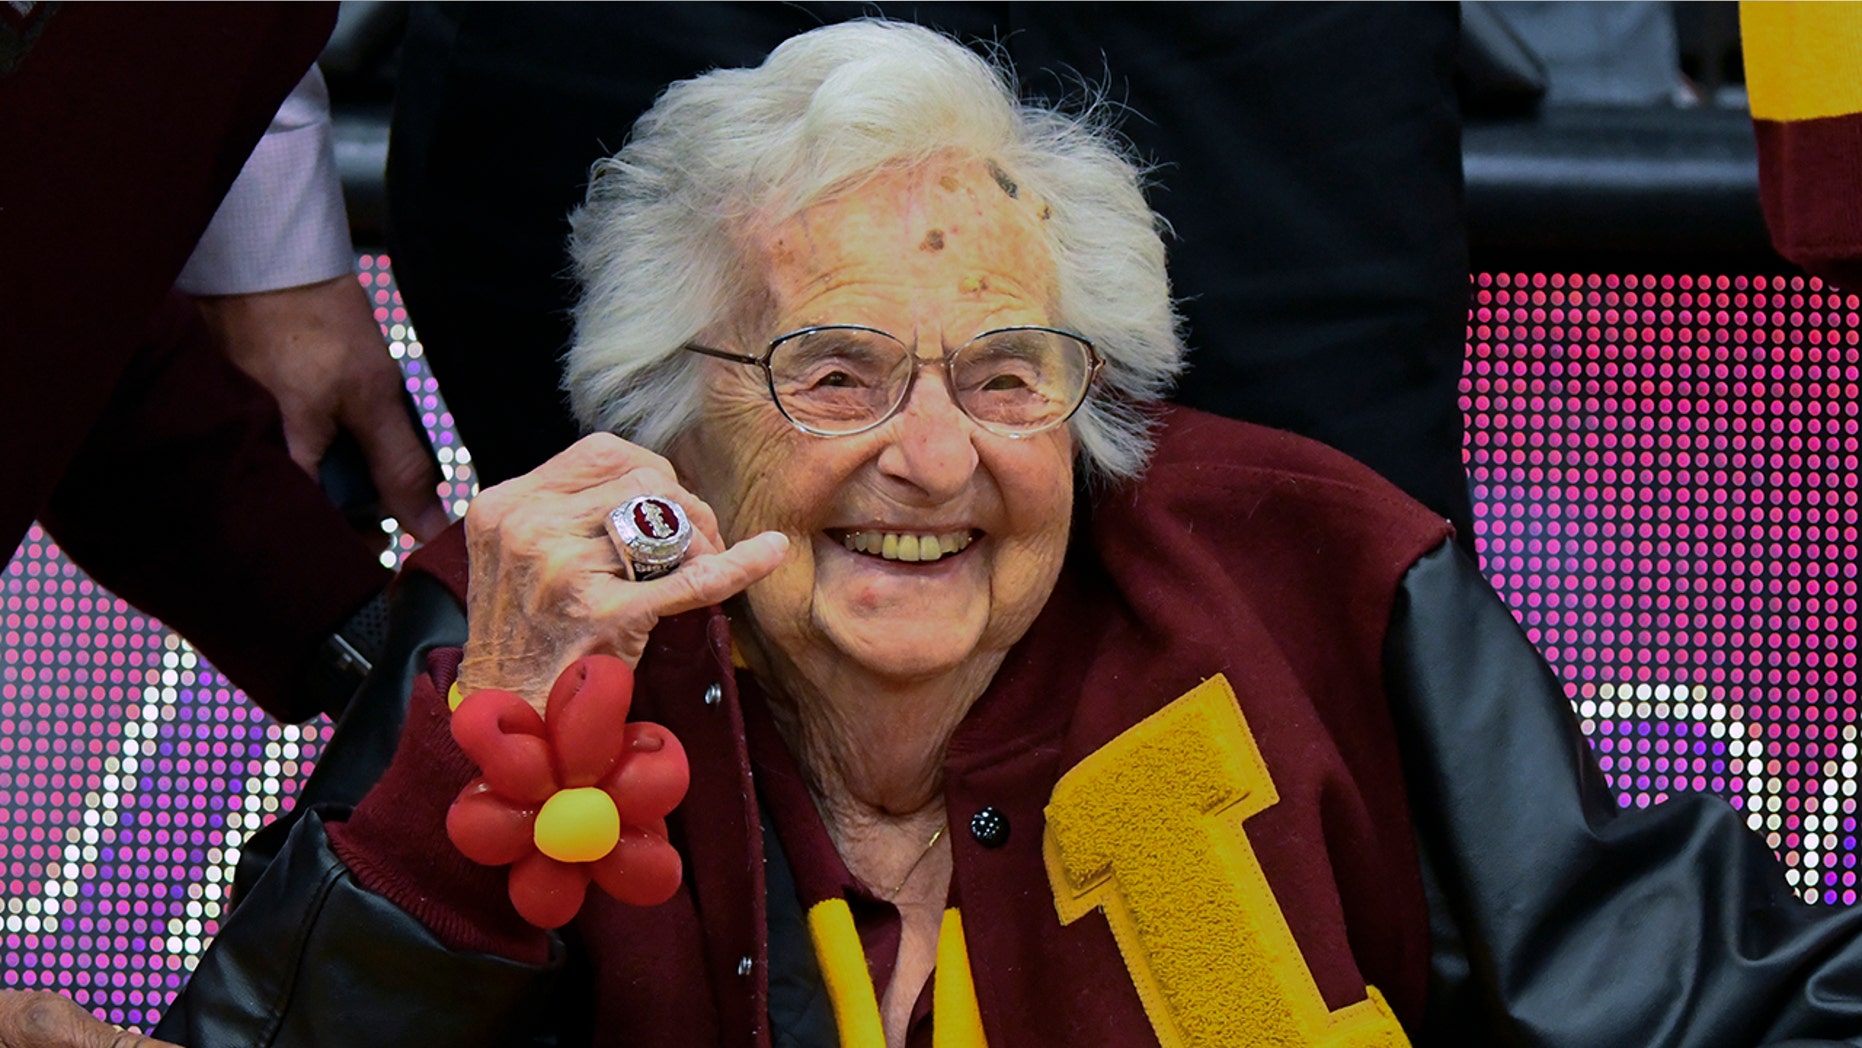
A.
pixel 1612 133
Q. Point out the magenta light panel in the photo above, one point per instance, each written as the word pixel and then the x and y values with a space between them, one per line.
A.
pixel 131 773
pixel 1664 476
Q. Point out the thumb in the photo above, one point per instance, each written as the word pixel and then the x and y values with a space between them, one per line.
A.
pixel 49 1020
pixel 404 472
pixel 307 435
pixel 716 577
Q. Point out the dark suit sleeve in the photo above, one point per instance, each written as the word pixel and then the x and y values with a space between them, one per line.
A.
pixel 226 540
pixel 1560 919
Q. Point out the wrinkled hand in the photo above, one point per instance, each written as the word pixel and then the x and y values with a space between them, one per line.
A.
pixel 48 1020
pixel 547 586
pixel 319 351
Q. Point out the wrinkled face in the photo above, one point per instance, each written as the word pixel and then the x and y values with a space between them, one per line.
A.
pixel 935 255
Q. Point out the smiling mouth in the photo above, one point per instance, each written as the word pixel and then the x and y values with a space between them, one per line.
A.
pixel 910 547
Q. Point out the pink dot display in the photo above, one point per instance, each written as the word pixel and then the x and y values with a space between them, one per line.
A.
pixel 1664 478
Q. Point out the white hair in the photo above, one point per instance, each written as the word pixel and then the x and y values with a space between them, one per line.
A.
pixel 658 245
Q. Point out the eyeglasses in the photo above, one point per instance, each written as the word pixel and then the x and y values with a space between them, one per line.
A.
pixel 835 380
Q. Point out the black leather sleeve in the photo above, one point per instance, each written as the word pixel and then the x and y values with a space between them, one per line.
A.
pixel 311 958
pixel 1559 918
pixel 422 616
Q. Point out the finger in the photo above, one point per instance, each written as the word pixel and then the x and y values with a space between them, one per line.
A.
pixel 611 470
pixel 704 581
pixel 307 437
pixel 571 530
pixel 126 1039
pixel 585 512
pixel 48 1020
pixel 578 488
pixel 631 610
pixel 404 473
pixel 590 462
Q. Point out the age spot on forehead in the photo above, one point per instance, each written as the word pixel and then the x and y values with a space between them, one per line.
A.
pixel 1002 179
pixel 973 285
pixel 934 241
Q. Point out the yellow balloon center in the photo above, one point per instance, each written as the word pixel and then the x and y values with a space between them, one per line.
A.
pixel 578 825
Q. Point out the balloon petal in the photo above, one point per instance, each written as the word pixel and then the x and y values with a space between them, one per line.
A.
pixel 504 736
pixel 652 777
pixel 547 893
pixel 587 709
pixel 642 870
pixel 489 828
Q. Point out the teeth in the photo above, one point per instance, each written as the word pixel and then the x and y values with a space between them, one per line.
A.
pixel 909 548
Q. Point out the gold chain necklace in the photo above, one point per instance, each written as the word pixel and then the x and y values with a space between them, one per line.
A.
pixel 922 856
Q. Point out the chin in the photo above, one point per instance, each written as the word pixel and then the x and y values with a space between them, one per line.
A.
pixel 898 651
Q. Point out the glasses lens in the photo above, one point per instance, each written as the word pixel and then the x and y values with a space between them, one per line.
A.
pixel 1022 379
pixel 839 380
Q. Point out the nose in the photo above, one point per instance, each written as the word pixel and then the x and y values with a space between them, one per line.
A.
pixel 930 445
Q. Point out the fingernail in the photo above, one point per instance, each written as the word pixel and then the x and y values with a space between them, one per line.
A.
pixel 782 541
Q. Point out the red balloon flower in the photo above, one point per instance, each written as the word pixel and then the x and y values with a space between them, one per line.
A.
pixel 576 796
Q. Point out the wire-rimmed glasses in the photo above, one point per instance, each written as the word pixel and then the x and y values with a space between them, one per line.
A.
pixel 835 380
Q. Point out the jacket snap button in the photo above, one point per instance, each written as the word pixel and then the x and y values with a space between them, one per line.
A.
pixel 990 828
pixel 714 694
pixel 744 964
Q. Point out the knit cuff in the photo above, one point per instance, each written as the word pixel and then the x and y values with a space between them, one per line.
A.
pixel 395 842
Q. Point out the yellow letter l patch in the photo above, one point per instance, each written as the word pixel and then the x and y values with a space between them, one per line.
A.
pixel 1148 829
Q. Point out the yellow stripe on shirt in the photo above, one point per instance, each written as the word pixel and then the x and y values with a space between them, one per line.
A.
pixel 843 969
pixel 956 1020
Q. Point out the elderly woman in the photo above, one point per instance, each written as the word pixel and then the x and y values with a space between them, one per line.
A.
pixel 1018 710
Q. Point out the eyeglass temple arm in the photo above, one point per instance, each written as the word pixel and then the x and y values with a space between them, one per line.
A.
pixel 722 354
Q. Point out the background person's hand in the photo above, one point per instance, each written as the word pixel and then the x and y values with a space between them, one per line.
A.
pixel 319 351
pixel 547 586
pixel 35 1019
